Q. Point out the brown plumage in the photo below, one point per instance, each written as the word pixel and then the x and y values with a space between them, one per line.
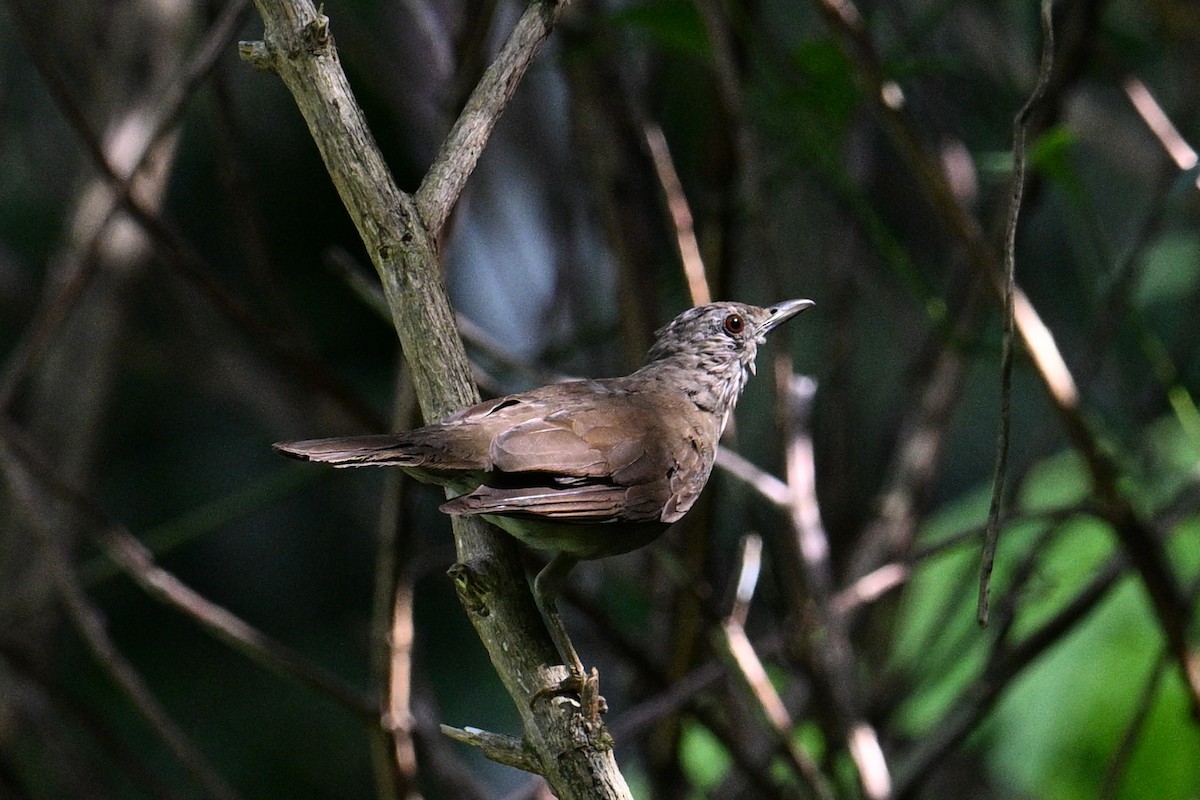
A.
pixel 590 468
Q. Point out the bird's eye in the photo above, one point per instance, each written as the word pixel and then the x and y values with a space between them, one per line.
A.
pixel 734 324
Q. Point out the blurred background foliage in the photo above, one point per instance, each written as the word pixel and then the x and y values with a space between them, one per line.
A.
pixel 149 361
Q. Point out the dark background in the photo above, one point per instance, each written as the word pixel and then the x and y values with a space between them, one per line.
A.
pixel 147 369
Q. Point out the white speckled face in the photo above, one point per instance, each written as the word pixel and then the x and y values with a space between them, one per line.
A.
pixel 712 349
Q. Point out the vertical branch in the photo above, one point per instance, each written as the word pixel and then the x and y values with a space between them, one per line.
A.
pixel 1020 129
pixel 392 625
pixel 830 650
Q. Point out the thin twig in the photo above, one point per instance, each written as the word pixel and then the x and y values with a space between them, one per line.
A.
pixel 809 549
pixel 392 620
pixel 769 705
pixel 747 665
pixel 1156 119
pixel 1020 130
pixel 680 213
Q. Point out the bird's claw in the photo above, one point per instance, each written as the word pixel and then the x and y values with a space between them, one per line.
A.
pixel 587 687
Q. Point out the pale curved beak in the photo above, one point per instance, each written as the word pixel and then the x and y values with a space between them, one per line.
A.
pixel 782 312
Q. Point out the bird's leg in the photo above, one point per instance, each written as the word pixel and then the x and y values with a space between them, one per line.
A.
pixel 546 588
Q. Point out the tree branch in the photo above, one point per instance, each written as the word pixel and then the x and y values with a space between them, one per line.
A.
pixel 573 754
pixel 460 151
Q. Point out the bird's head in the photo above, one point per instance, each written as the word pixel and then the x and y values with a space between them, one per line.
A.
pixel 714 347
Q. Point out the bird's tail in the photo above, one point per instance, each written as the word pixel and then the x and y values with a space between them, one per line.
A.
pixel 379 450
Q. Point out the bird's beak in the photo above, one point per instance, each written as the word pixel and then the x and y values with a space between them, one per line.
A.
pixel 782 312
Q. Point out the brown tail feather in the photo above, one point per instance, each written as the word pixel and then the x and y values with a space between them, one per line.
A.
pixel 380 450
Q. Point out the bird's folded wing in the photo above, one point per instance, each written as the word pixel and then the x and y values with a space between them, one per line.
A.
pixel 586 503
pixel 610 441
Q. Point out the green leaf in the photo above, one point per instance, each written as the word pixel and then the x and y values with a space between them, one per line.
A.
pixel 704 758
pixel 1171 267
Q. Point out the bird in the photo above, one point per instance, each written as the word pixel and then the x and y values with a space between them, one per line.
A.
pixel 585 469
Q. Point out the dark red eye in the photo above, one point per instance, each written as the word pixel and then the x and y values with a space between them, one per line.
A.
pixel 734 324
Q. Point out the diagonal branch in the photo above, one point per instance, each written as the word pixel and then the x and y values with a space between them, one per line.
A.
pixel 136 560
pixel 456 159
pixel 90 624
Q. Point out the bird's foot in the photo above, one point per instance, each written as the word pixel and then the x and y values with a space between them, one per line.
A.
pixel 586 686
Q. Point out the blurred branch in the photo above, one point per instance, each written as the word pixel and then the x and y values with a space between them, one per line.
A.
pixel 133 557
pixel 1172 141
pixel 89 624
pixel 912 471
pixel 573 753
pixel 966 711
pixel 75 714
pixel 160 120
pixel 807 558
pixel 1145 551
pixel 392 619
pixel 174 248
pixel 608 124
pixel 746 665
pixel 128 553
pixel 681 216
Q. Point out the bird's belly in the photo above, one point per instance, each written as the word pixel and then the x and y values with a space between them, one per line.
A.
pixel 582 540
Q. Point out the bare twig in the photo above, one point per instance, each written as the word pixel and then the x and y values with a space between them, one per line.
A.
pixel 392 621
pixel 1020 130
pixel 1172 141
pixel 834 657
pixel 680 213
pixel 769 705
pixel 746 664
pixel 498 747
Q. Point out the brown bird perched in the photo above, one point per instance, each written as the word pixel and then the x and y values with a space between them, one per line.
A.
pixel 591 468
